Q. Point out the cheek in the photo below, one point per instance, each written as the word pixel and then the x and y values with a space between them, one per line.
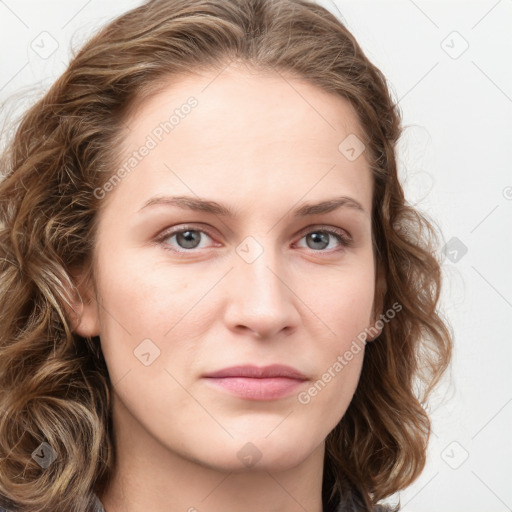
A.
pixel 156 318
pixel 343 305
pixel 342 300
pixel 141 309
pixel 345 310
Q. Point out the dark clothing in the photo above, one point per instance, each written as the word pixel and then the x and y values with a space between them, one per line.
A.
pixel 352 507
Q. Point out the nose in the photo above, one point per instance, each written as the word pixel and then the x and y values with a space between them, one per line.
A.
pixel 261 300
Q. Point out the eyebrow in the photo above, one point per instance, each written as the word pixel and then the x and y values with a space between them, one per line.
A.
pixel 208 206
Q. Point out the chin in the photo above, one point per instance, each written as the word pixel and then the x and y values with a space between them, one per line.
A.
pixel 258 453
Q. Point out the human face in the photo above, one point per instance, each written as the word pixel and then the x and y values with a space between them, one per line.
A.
pixel 261 287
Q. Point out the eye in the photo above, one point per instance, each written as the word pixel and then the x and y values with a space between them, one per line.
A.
pixel 318 239
pixel 186 238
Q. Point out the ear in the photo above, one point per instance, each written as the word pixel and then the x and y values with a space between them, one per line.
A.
pixel 378 303
pixel 84 314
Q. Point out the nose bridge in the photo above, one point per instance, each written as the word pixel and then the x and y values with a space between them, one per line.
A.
pixel 259 296
pixel 257 266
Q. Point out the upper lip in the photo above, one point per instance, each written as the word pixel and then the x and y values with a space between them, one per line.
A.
pixel 259 372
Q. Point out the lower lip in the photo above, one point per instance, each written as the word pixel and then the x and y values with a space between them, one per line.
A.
pixel 271 388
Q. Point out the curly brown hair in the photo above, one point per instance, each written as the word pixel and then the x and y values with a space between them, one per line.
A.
pixel 54 385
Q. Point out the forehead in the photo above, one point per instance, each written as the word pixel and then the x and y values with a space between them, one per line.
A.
pixel 247 131
pixel 246 98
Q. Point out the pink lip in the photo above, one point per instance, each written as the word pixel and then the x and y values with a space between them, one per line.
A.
pixel 258 383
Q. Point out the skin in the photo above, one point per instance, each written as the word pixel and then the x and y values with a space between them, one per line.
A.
pixel 262 148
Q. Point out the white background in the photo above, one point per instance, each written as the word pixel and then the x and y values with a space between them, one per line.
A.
pixel 455 162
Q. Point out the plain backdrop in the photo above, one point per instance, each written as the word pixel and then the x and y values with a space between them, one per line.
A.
pixel 449 65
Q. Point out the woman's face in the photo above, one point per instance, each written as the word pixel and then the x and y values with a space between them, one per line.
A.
pixel 186 290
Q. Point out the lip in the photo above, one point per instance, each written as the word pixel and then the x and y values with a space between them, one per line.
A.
pixel 257 383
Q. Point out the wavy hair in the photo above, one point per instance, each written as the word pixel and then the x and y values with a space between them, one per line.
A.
pixel 54 384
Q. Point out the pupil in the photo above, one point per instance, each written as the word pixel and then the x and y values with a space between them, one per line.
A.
pixel 188 238
pixel 321 238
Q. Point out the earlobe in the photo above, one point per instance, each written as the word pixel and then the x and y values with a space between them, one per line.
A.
pixel 84 314
pixel 87 324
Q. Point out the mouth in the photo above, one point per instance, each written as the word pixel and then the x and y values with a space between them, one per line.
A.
pixel 257 383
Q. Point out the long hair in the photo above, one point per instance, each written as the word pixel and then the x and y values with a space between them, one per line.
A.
pixel 54 384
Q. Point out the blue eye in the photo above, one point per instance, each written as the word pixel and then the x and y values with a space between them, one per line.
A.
pixel 320 239
pixel 187 239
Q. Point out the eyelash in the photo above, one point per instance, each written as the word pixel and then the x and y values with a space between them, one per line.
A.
pixel 344 240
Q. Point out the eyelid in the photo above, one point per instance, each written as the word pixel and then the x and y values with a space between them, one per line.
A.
pixel 330 229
